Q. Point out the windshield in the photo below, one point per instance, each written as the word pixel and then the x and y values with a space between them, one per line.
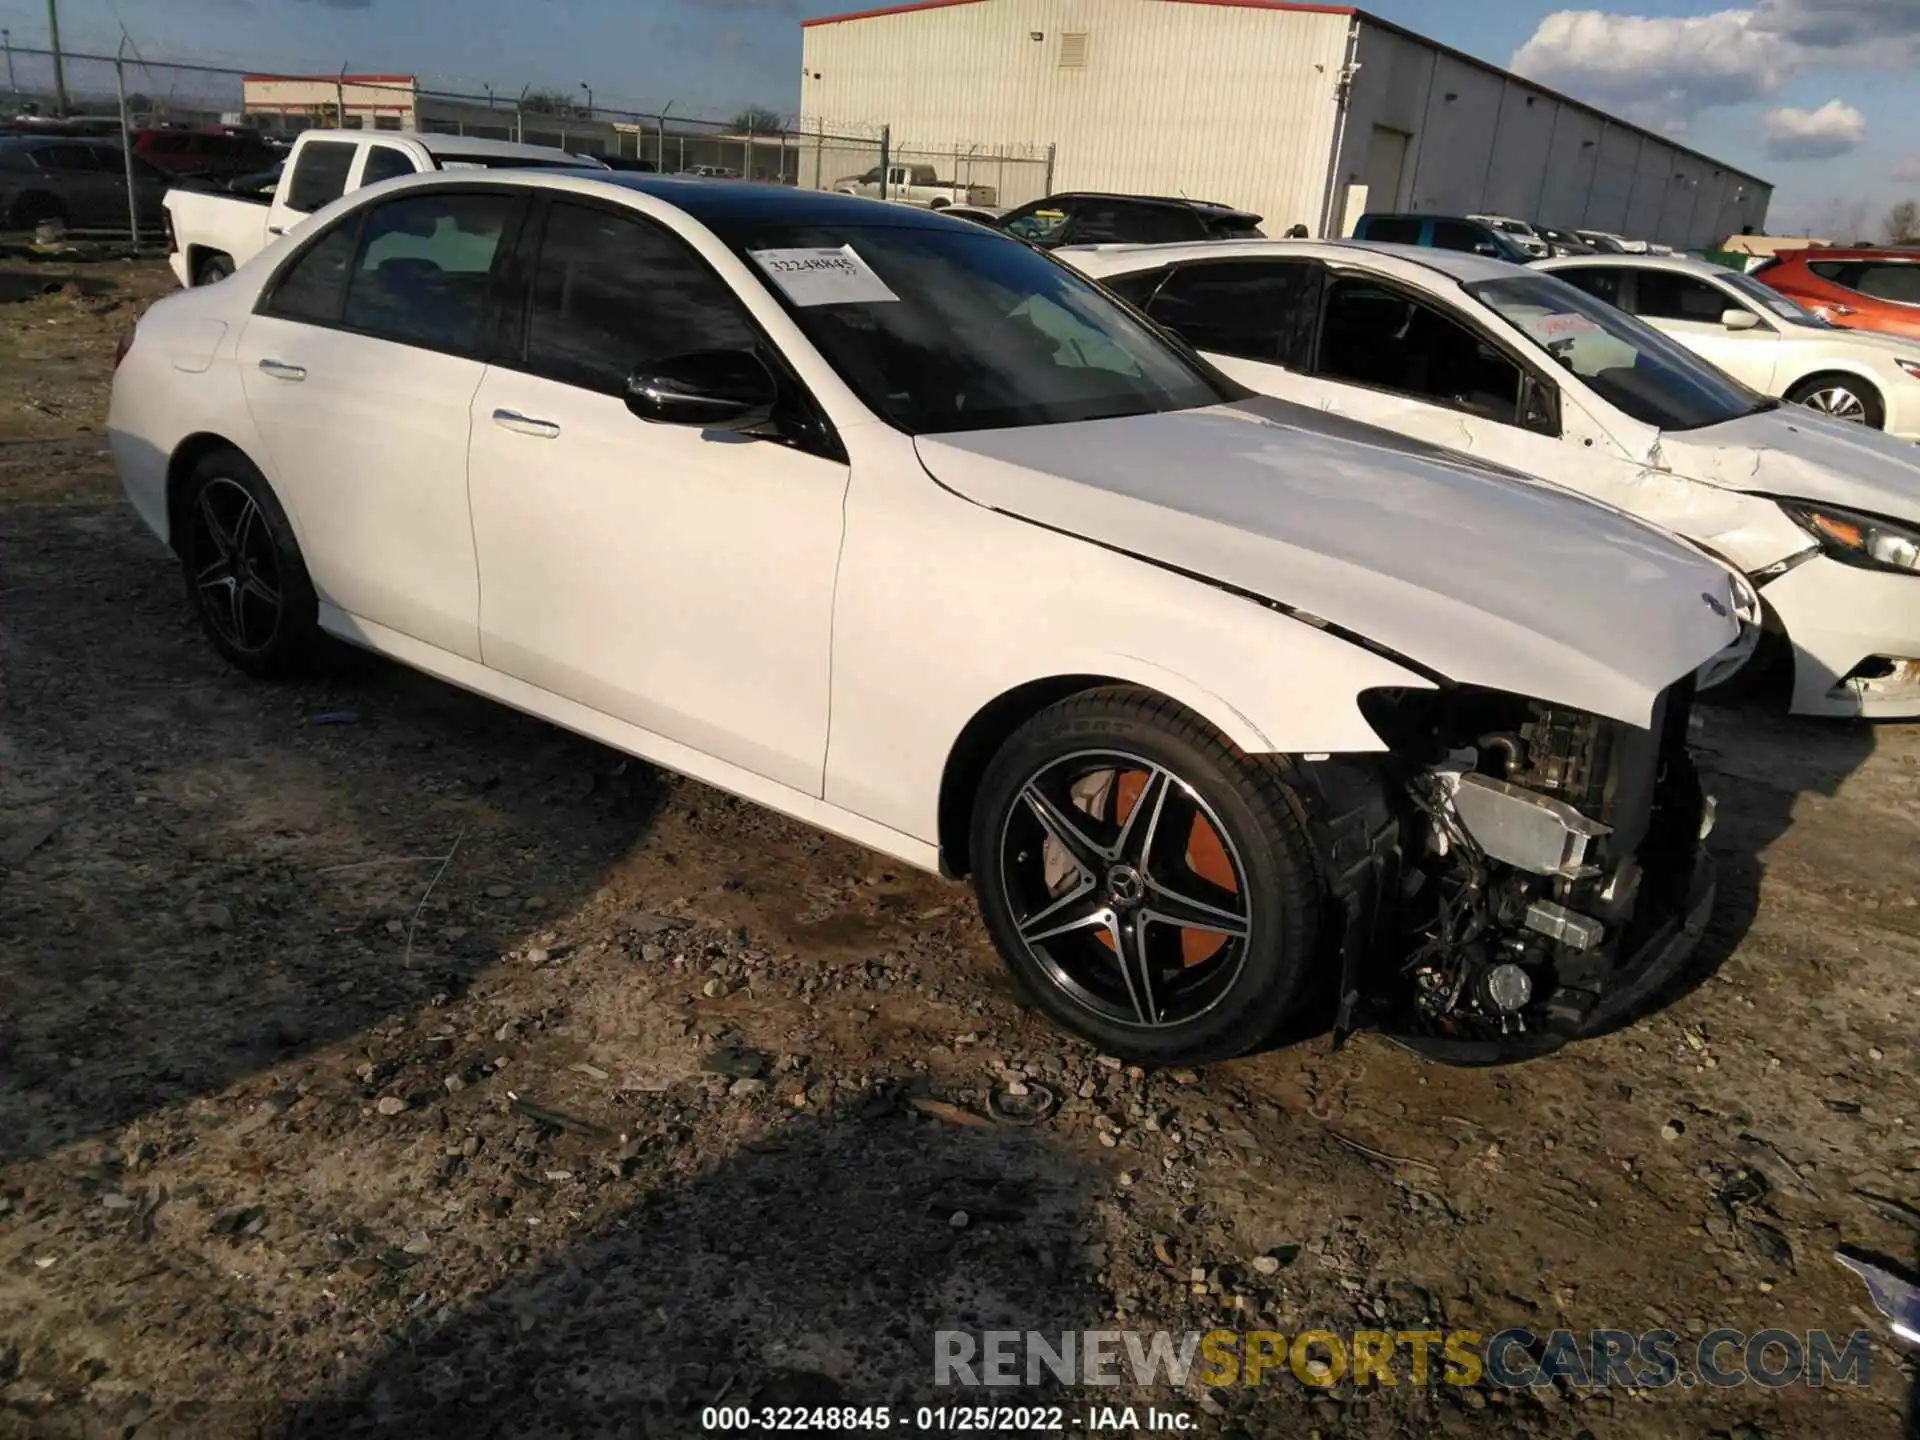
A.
pixel 1773 302
pixel 1627 363
pixel 453 160
pixel 941 329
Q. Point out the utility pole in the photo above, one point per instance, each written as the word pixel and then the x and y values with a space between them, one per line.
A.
pixel 59 70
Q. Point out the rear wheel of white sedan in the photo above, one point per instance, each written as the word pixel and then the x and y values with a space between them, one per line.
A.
pixel 1150 887
pixel 1843 397
pixel 243 569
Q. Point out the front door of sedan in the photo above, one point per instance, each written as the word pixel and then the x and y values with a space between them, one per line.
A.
pixel 360 368
pixel 677 579
pixel 1692 311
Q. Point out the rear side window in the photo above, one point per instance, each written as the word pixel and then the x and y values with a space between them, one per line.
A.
pixel 1039 226
pixel 313 286
pixel 1890 281
pixel 610 293
pixel 424 268
pixel 385 163
pixel 1455 235
pixel 1392 230
pixel 1256 310
pixel 1155 225
pixel 1234 227
pixel 320 175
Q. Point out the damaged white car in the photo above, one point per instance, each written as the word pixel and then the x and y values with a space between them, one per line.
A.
pixel 1524 369
pixel 892 524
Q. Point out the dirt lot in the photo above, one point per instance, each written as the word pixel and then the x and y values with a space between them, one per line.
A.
pixel 374 1060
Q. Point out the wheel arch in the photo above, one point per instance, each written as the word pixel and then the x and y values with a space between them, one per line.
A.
pixel 1859 375
pixel 993 724
pixel 187 454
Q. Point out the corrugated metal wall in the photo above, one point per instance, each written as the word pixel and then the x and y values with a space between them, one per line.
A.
pixel 1216 102
pixel 1237 103
pixel 1484 141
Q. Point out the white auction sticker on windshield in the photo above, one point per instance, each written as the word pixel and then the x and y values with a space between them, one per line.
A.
pixel 823 276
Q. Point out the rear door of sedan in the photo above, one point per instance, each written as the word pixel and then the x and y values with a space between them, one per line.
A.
pixel 360 367
pixel 678 579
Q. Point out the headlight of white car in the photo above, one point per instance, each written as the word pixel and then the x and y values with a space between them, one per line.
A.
pixel 1856 539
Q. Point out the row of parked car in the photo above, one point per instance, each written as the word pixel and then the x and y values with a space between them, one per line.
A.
pixel 1271 629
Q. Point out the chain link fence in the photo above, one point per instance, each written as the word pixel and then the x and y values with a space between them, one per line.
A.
pixel 109 95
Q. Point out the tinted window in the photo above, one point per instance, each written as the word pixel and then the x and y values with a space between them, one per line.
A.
pixel 166 144
pixel 1381 338
pixel 1838 272
pixel 314 285
pixel 1392 230
pixel 1257 310
pixel 1136 289
pixel 422 274
pixel 1890 281
pixel 1669 295
pixel 1626 362
pixel 320 175
pixel 385 163
pixel 1233 227
pixel 1097 222
pixel 1039 225
pixel 976 334
pixel 1458 235
pixel 1602 284
pixel 65 159
pixel 610 293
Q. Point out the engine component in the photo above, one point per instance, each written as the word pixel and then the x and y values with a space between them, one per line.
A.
pixel 1506 988
pixel 1569 927
pixel 1532 832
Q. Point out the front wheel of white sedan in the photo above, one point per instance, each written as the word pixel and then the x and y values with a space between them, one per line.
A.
pixel 1842 397
pixel 1151 888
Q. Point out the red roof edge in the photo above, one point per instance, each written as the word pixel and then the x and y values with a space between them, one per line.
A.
pixel 341 79
pixel 1296 6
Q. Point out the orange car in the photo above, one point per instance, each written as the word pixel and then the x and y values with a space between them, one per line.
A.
pixel 1859 289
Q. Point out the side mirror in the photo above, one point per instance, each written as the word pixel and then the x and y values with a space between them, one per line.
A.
pixel 1737 319
pixel 714 389
pixel 1539 406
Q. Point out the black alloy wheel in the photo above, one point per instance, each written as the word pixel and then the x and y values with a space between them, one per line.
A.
pixel 243 568
pixel 1149 886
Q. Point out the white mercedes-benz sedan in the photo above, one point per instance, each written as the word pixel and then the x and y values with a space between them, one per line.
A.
pixel 891 523
pixel 1519 367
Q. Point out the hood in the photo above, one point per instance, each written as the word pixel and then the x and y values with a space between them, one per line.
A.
pixel 1798 455
pixel 1477 573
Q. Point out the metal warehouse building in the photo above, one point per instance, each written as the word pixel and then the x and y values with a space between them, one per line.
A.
pixel 1307 114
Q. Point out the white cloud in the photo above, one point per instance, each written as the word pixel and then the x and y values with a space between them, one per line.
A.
pixel 1834 129
pixel 1663 71
pixel 1658 71
pixel 1907 172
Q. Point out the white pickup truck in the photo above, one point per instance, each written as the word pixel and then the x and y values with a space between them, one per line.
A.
pixel 211 235
pixel 916 185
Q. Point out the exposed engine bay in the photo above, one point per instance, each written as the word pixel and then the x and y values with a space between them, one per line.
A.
pixel 1541 874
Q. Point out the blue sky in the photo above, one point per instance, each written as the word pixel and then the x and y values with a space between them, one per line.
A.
pixel 1817 95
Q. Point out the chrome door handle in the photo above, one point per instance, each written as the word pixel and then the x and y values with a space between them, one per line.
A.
pixel 280 370
pixel 525 424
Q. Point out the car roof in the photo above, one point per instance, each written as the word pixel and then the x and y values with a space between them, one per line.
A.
pixel 1459 265
pixel 1685 264
pixel 1180 200
pixel 1853 252
pixel 452 145
pixel 712 200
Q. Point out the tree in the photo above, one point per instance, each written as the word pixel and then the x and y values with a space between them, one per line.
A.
pixel 545 102
pixel 1903 222
pixel 759 120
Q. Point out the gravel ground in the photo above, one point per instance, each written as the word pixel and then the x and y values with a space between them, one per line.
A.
pixel 375 1060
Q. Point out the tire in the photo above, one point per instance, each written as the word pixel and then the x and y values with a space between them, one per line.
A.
pixel 35 208
pixel 212 269
pixel 244 574
pixel 1842 397
pixel 1045 819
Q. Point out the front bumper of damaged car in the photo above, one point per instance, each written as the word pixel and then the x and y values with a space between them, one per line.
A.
pixel 1537 882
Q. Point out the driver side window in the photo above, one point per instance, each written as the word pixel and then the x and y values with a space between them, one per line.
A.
pixel 1039 226
pixel 1377 337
